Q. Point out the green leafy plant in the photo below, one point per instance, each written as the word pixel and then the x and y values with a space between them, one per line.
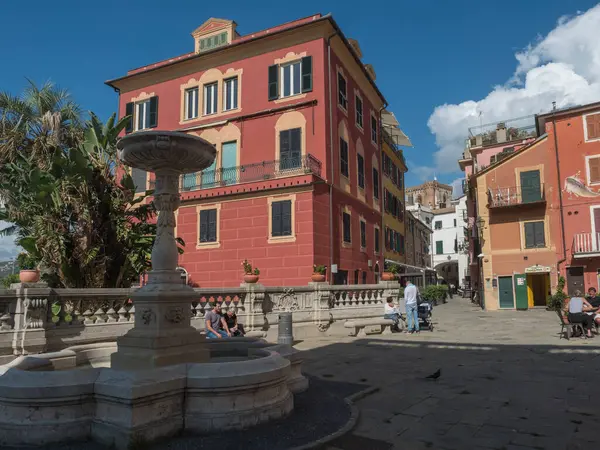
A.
pixel 10 279
pixel 392 268
pixel 248 270
pixel 556 301
pixel 434 292
pixel 25 261
pixel 320 269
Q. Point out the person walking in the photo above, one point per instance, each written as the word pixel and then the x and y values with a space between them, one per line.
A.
pixel 412 314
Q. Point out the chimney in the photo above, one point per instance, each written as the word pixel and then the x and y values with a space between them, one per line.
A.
pixel 501 132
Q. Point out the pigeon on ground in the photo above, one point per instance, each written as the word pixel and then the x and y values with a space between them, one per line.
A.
pixel 435 375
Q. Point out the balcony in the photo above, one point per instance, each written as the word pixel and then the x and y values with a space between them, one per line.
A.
pixel 503 197
pixel 586 245
pixel 262 171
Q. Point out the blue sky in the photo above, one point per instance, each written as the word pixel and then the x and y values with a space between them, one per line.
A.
pixel 426 53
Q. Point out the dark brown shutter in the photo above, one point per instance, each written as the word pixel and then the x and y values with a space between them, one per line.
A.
pixel 307 81
pixel 273 82
pixel 129 112
pixel 153 112
pixel 594 166
pixel 593 126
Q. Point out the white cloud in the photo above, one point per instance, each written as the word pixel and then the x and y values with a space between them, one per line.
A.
pixel 563 67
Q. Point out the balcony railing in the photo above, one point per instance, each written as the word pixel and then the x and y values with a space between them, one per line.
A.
pixel 586 245
pixel 515 196
pixel 499 132
pixel 262 171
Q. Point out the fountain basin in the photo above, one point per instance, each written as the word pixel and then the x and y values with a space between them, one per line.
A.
pixel 40 405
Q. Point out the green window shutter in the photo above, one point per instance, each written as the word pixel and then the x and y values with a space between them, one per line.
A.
pixel 530 186
pixel 439 247
pixel 538 229
pixel 307 82
pixel 273 82
pixel 529 235
pixel 129 112
pixel 153 112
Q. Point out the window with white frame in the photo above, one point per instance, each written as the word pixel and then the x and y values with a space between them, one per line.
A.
pixel 593 169
pixel 142 112
pixel 592 127
pixel 230 94
pixel 291 78
pixel 374 129
pixel 359 111
pixel 191 103
pixel 342 90
pixel 210 98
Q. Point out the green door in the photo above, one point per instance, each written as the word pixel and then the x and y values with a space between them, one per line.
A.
pixel 530 186
pixel 505 286
pixel 521 291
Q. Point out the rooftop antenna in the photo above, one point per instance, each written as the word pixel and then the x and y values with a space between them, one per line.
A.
pixel 553 106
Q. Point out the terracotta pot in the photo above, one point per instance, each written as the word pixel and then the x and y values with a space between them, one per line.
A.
pixel 249 278
pixel 388 276
pixel 29 276
pixel 317 277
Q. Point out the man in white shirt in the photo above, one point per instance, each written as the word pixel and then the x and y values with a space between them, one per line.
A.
pixel 410 299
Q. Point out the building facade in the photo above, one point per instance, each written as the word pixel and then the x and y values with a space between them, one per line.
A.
pixel 445 245
pixel 432 194
pixel 295 117
pixel 462 234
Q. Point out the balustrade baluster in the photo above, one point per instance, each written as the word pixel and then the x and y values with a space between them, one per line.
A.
pixel 122 314
pixel 132 313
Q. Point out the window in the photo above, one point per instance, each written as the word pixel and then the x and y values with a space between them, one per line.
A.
pixel 210 98
pixel 530 186
pixel 213 41
pixel 356 273
pixel 455 245
pixel 344 158
pixel 230 94
pixel 290 148
pixel 361 171
pixel 359 111
pixel 593 169
pixel 281 218
pixel 146 113
pixel 377 240
pixel 346 226
pixel 455 223
pixel 439 247
pixel 342 97
pixel 191 103
pixel 290 79
pixel 592 129
pixel 208 225
pixel 374 129
pixel 534 234
pixel 375 184
pixel 363 234
pixel 438 224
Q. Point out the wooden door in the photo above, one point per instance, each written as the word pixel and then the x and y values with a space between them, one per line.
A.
pixel 575 280
pixel 505 288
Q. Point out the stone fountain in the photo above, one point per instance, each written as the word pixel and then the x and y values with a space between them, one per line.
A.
pixel 164 377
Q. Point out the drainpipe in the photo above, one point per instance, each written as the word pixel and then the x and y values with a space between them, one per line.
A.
pixel 331 159
pixel 560 199
pixel 381 191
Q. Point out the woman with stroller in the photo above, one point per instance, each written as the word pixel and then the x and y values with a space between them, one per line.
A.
pixel 577 307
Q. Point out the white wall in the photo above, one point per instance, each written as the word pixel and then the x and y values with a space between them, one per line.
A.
pixel 463 257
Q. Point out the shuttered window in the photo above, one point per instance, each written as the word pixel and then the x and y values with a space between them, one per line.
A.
pixel 374 129
pixel 146 114
pixel 208 225
pixel 594 169
pixel 592 122
pixel 129 112
pixel 273 82
pixel 290 79
pixel 290 148
pixel 359 111
pixel 534 235
pixel 344 158
pixel 281 218
pixel 307 80
pixel 342 91
pixel 346 227
pixel 363 234
pixel 375 184
pixel 377 240
pixel 439 247
pixel 191 103
pixel 361 170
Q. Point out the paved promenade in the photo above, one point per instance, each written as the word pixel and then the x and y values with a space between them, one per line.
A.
pixel 507 382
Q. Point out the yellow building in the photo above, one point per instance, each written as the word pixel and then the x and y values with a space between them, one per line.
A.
pixel 394 168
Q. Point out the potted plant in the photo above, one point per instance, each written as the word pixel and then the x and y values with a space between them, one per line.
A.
pixel 318 275
pixel 29 272
pixel 390 273
pixel 250 274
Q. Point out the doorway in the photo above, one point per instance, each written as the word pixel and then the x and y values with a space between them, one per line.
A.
pixel 537 289
pixel 505 288
pixel 341 277
pixel 575 279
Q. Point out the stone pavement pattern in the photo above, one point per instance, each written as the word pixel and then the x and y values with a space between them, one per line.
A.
pixel 507 382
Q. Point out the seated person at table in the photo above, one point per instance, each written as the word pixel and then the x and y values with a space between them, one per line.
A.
pixel 576 308
pixel 213 321
pixel 391 312
pixel 592 297
pixel 235 328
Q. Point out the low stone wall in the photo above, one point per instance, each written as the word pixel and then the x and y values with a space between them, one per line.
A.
pixel 35 318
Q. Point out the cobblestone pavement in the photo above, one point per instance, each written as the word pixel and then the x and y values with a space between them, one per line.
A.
pixel 507 382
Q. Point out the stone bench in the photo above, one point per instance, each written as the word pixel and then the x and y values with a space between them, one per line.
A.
pixel 358 325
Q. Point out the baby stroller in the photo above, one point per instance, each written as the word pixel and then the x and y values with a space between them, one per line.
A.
pixel 424 311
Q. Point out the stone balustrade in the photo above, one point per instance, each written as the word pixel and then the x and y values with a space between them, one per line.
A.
pixel 35 318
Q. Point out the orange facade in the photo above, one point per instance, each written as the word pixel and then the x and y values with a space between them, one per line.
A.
pixel 295 118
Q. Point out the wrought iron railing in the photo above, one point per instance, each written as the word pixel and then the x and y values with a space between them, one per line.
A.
pixel 517 195
pixel 265 170
pixel 585 243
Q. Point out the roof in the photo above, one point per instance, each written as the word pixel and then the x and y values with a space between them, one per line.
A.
pixel 297 24
pixel 511 156
pixel 541 119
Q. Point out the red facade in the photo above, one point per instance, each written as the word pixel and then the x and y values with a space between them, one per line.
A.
pixel 251 173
